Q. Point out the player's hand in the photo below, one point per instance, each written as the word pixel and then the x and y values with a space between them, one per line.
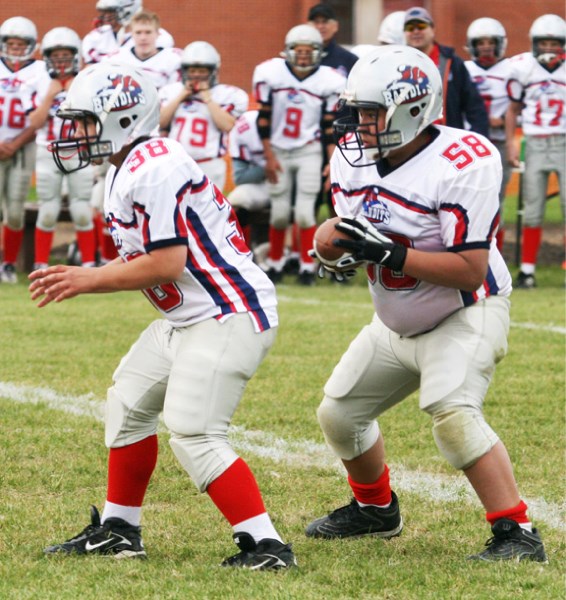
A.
pixel 324 271
pixel 59 283
pixel 272 168
pixel 368 244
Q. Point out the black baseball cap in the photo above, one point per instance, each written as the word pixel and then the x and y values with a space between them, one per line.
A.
pixel 321 10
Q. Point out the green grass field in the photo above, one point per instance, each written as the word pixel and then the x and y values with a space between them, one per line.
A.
pixel 57 363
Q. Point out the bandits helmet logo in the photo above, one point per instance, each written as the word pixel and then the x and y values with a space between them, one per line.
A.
pixel 123 92
pixel 412 85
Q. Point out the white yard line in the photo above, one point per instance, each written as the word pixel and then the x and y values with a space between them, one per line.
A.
pixel 296 453
pixel 551 328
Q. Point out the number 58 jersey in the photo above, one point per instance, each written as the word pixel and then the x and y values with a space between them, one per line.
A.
pixel 159 198
pixel 443 199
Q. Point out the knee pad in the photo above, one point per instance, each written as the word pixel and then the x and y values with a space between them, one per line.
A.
pixel 124 426
pixel 463 436
pixel 81 213
pixel 202 456
pixel 48 214
pixel 347 437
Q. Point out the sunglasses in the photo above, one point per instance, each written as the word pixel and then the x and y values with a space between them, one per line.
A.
pixel 413 26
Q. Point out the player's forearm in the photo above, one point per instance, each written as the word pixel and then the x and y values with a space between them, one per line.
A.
pixel 222 119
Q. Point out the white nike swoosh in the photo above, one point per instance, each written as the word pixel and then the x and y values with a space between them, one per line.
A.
pixel 385 256
pixel 89 547
pixel 279 562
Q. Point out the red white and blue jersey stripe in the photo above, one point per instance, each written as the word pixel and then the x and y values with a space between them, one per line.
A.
pixel 443 199
pixel 169 202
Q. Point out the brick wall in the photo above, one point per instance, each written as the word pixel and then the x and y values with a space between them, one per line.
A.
pixel 246 32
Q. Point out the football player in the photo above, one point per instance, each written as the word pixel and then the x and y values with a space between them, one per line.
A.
pixel 420 206
pixel 298 99
pixel 180 243
pixel 486 41
pixel 21 78
pixel 199 111
pixel 60 48
pixel 537 90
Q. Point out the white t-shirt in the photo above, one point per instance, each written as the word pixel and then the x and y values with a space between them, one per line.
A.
pixel 160 197
pixel 445 198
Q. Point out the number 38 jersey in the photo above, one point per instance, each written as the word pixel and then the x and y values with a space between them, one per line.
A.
pixel 443 199
pixel 18 95
pixel 192 124
pixel 298 105
pixel 160 197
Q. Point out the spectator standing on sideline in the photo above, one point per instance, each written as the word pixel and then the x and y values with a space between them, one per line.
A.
pixel 61 51
pixel 22 78
pixel 180 244
pixel 248 166
pixel 537 89
pixel 420 207
pixel 462 101
pixel 297 98
pixel 486 41
pixel 199 112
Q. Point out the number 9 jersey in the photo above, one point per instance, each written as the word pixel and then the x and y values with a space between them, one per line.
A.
pixel 444 199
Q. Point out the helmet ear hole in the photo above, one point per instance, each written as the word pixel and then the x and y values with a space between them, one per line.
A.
pixel 415 111
pixel 125 122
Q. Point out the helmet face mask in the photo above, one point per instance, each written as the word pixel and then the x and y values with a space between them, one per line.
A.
pixel 548 28
pixel 295 40
pixel 22 29
pixel 202 55
pixel 108 106
pixel 402 84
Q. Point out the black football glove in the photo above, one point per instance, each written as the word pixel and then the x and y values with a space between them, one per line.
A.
pixel 368 244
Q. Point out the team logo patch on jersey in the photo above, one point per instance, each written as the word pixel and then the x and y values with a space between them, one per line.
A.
pixel 412 85
pixel 10 84
pixel 482 83
pixel 375 210
pixel 295 97
pixel 125 92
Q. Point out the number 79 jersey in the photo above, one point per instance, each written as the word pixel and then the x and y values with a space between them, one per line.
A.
pixel 159 198
pixel 443 199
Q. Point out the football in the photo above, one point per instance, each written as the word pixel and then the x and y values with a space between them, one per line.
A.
pixel 325 250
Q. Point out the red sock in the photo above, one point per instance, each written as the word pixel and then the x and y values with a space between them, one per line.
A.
pixel 517 513
pixel 12 242
pixel 86 242
pixel 531 244
pixel 276 243
pixel 307 237
pixel 129 471
pixel 236 493
pixel 43 243
pixel 378 492
pixel 500 236
pixel 295 239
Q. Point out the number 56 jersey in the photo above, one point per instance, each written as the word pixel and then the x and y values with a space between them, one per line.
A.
pixel 159 197
pixel 443 199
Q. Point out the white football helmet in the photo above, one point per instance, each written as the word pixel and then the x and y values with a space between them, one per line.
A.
pixel 123 105
pixel 548 27
pixel 486 28
pixel 391 29
pixel 303 35
pixel 22 28
pixel 125 9
pixel 403 81
pixel 201 54
pixel 59 38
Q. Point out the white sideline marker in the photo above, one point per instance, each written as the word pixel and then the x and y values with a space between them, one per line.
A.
pixel 295 453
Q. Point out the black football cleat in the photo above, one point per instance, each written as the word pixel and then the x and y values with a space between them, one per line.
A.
pixel 115 537
pixel 353 521
pixel 265 555
pixel 511 542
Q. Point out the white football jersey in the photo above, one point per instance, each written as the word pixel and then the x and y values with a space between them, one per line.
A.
pixel 297 104
pixel 543 94
pixel 19 96
pixel 162 68
pixel 193 126
pixel 102 41
pixel 245 142
pixel 444 199
pixel 492 86
pixel 160 197
pixel 51 130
